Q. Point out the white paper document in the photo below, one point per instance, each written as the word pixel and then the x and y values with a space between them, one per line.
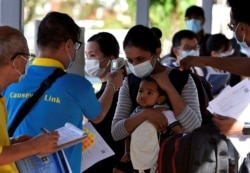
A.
pixel 235 102
pixel 95 148
pixel 69 135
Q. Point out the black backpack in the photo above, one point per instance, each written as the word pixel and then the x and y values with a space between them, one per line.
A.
pixel 205 150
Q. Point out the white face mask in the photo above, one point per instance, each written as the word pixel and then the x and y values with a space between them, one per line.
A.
pixel 21 76
pixel 243 44
pixel 141 70
pixel 92 67
pixel 193 25
pixel 71 61
pixel 227 53
pixel 184 54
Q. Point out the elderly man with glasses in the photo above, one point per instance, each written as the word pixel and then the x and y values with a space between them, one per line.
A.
pixel 14 55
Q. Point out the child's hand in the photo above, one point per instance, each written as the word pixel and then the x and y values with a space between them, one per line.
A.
pixel 126 157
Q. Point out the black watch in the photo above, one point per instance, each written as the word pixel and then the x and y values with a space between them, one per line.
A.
pixel 246 128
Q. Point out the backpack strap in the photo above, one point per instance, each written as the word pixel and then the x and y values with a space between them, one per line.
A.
pixel 204 70
pixel 28 104
pixel 205 94
pixel 133 85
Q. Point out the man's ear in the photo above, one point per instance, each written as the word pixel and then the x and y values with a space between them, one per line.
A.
pixel 202 21
pixel 15 63
pixel 111 57
pixel 243 27
pixel 68 44
pixel 175 51
pixel 161 99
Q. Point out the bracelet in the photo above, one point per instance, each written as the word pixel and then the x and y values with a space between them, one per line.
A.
pixel 246 128
pixel 112 85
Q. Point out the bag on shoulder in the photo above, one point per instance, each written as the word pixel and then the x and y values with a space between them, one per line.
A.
pixel 204 150
pixel 205 94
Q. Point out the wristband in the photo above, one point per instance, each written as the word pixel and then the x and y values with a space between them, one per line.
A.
pixel 246 128
pixel 112 85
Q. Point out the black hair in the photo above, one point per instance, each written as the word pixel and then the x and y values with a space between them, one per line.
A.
pixel 107 43
pixel 194 10
pixel 158 34
pixel 144 38
pixel 150 79
pixel 56 28
pixel 217 42
pixel 240 10
pixel 178 36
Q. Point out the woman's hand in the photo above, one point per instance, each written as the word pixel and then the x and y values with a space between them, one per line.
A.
pixel 126 157
pixel 156 117
pixel 162 79
pixel 228 125
pixel 116 78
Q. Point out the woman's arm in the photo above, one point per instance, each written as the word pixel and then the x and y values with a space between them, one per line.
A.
pixel 185 106
pixel 114 82
pixel 190 118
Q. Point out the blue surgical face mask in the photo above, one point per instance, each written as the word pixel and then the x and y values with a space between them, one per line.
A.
pixel 242 43
pixel 194 25
pixel 184 54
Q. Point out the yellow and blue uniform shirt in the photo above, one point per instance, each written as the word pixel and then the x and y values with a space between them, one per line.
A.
pixel 67 100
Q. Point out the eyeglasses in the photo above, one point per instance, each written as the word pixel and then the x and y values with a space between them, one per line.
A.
pixel 27 56
pixel 78 44
pixel 189 48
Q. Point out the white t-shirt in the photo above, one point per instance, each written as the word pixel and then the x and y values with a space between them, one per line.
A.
pixel 144 145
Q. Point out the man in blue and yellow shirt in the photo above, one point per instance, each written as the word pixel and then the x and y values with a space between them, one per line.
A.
pixel 70 97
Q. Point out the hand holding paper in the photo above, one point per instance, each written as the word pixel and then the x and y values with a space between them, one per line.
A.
pixel 234 102
pixel 68 135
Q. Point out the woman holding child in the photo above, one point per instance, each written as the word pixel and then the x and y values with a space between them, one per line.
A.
pixel 142 47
